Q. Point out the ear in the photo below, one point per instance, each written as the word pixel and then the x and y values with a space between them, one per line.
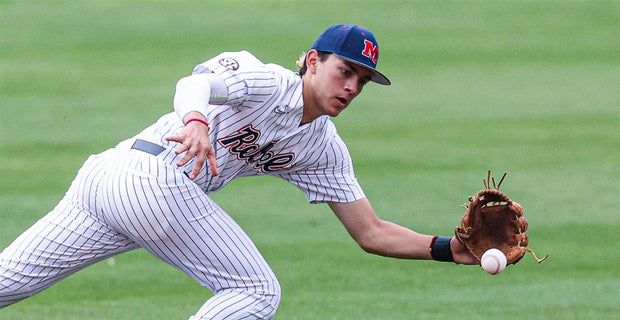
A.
pixel 312 60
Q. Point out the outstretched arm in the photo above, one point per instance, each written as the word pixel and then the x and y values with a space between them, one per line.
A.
pixel 387 238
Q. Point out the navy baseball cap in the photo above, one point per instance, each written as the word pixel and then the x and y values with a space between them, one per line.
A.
pixel 355 44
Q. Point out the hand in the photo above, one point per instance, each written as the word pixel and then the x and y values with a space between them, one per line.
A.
pixel 460 253
pixel 194 141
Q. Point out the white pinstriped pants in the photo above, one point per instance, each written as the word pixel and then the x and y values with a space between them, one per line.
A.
pixel 124 199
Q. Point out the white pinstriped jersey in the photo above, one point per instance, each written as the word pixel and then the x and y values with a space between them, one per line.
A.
pixel 126 197
pixel 256 131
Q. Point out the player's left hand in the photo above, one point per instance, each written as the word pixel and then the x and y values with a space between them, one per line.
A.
pixel 194 141
pixel 460 253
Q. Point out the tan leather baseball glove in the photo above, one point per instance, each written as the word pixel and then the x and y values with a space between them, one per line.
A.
pixel 493 220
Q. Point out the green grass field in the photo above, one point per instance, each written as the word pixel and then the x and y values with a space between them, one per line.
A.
pixel 528 87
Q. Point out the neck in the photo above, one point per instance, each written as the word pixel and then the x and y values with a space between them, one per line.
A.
pixel 310 109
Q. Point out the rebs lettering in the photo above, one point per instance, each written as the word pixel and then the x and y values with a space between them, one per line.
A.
pixel 242 145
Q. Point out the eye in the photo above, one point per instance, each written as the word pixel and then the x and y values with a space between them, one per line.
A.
pixel 345 72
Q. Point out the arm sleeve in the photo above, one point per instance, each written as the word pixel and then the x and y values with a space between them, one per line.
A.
pixel 197 91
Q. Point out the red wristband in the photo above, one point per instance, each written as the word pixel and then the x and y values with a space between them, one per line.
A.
pixel 203 121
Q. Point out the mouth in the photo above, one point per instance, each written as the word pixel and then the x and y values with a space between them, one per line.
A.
pixel 343 102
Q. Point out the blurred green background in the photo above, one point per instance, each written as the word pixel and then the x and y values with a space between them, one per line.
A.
pixel 527 87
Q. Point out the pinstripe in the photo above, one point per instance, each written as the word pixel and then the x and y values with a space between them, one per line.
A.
pixel 123 199
pixel 64 241
pixel 222 242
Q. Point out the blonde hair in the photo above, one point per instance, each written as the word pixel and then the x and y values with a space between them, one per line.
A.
pixel 301 61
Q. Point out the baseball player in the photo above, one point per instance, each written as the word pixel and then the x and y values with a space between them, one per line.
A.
pixel 234 117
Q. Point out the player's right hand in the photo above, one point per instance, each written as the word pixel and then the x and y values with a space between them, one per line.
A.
pixel 194 141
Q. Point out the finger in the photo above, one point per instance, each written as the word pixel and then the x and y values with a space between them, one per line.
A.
pixel 200 161
pixel 178 139
pixel 186 158
pixel 196 169
pixel 212 164
pixel 184 144
pixel 174 139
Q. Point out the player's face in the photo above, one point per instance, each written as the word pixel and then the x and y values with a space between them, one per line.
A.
pixel 334 83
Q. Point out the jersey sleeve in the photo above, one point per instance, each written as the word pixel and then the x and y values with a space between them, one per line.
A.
pixel 331 179
pixel 246 77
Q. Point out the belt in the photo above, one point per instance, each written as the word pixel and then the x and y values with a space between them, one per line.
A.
pixel 148 147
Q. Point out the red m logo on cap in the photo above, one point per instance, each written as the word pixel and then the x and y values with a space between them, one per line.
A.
pixel 370 51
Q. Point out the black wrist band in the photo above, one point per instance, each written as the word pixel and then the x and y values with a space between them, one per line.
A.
pixel 440 249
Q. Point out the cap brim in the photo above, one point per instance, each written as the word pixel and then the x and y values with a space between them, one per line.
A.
pixel 379 78
pixel 376 76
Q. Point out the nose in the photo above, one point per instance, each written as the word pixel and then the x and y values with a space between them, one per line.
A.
pixel 352 86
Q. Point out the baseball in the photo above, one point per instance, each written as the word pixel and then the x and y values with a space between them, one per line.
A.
pixel 493 261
